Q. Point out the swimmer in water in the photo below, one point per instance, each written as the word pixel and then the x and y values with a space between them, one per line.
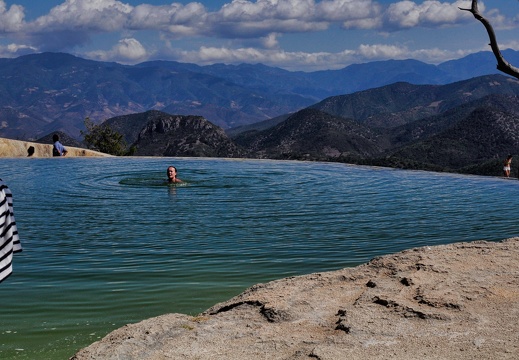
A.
pixel 171 172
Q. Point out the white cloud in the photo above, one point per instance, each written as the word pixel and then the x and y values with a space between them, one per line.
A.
pixel 239 19
pixel 500 21
pixel 245 19
pixel 168 17
pixel 241 10
pixel 130 49
pixel 430 13
pixel 12 19
pixel 347 10
pixel 126 51
pixel 15 50
pixel 270 41
pixel 382 51
pixel 98 15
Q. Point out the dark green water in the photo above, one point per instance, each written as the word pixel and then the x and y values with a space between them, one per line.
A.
pixel 106 243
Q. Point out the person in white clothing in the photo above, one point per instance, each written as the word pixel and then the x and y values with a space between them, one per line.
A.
pixel 506 166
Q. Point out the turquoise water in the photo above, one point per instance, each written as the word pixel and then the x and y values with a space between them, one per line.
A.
pixel 107 243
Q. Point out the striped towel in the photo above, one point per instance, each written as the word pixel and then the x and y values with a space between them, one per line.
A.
pixel 9 240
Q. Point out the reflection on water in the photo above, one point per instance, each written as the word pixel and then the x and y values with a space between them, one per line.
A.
pixel 108 242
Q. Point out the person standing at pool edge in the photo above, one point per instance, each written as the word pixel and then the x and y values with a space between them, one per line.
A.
pixel 58 149
pixel 171 172
pixel 506 166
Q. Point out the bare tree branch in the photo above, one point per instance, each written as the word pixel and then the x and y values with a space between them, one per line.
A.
pixel 502 64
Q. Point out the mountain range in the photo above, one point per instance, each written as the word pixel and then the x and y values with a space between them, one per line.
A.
pixel 468 126
pixel 48 92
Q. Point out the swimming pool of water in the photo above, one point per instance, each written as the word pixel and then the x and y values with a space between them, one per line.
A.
pixel 107 243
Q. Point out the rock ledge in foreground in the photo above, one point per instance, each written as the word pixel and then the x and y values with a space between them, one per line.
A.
pixel 457 301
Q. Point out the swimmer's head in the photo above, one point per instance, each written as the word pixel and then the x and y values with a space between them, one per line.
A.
pixel 171 172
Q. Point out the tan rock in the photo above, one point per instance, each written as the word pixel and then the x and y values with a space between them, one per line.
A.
pixel 457 301
pixel 17 148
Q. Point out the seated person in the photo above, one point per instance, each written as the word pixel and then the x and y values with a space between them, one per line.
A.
pixel 58 149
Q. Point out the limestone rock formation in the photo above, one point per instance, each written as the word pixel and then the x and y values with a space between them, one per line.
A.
pixel 16 148
pixel 457 301
pixel 179 135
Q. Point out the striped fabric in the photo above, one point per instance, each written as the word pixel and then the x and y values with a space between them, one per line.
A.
pixel 9 240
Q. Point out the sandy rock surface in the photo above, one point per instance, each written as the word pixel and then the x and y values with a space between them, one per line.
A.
pixel 457 301
pixel 17 148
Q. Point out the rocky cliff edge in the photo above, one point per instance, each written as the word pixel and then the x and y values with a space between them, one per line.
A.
pixel 457 301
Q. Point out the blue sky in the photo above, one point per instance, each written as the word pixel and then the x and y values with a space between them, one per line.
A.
pixel 305 35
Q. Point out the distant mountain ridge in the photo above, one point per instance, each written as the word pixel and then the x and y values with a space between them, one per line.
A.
pixel 401 103
pixel 50 92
